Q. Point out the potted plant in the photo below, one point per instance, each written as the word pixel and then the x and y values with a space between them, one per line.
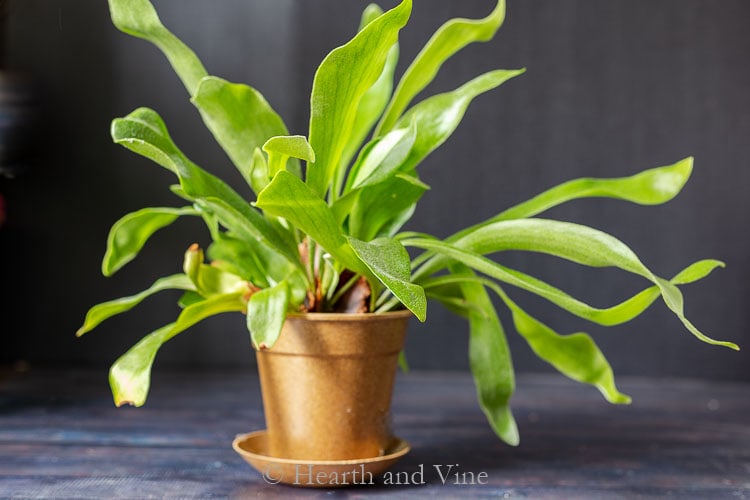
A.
pixel 316 259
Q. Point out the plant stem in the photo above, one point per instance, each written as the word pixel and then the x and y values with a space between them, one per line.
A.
pixel 310 262
pixel 338 183
pixel 318 266
pixel 383 297
pixel 388 305
pixel 341 291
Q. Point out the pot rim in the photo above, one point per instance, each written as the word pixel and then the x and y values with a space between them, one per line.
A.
pixel 323 316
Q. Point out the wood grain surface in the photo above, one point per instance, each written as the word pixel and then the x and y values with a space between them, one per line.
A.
pixel 61 437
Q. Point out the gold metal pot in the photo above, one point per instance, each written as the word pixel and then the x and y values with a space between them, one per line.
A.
pixel 327 385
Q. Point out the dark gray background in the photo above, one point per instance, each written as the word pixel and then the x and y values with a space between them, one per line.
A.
pixel 612 88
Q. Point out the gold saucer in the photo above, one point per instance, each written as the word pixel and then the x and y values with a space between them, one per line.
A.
pixel 253 447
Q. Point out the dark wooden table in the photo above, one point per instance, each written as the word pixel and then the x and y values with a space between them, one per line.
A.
pixel 61 437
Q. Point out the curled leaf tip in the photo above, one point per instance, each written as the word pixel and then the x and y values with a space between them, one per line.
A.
pixel 621 399
pixel 512 438
pixel 724 343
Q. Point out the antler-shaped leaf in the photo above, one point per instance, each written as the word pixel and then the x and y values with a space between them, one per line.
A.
pixel 144 132
pixel 573 242
pixel 389 262
pixel 240 119
pixel 437 117
pixel 288 197
pixel 131 232
pixel 139 18
pixel 266 311
pixel 489 358
pixel 372 104
pixel 106 310
pixel 130 375
pixel 237 115
pixel 447 40
pixel 649 187
pixel 281 149
pixel 575 356
pixel 336 95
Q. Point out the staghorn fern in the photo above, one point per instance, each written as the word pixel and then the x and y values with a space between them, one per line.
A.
pixel 329 240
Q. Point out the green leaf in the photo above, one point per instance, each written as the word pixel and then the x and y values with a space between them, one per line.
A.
pixel 574 242
pixel 614 315
pixel 447 40
pixel 130 233
pixel 381 209
pixel 342 207
pixel 130 375
pixel 390 263
pixel 403 363
pixel 373 102
pixel 266 312
pixel 210 280
pixel 575 356
pixel 210 219
pixel 259 177
pixel 569 241
pixel 248 231
pixel 438 116
pixel 144 132
pixel 138 18
pixel 189 298
pixel 579 244
pixel 240 119
pixel 456 305
pixel 490 360
pixel 259 264
pixel 675 302
pixel 288 197
pixel 371 12
pixel 240 255
pixel 177 191
pixel 382 159
pixel 329 277
pixel 106 310
pixel 650 187
pixel 336 94
pixel 281 148
pixel 696 271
